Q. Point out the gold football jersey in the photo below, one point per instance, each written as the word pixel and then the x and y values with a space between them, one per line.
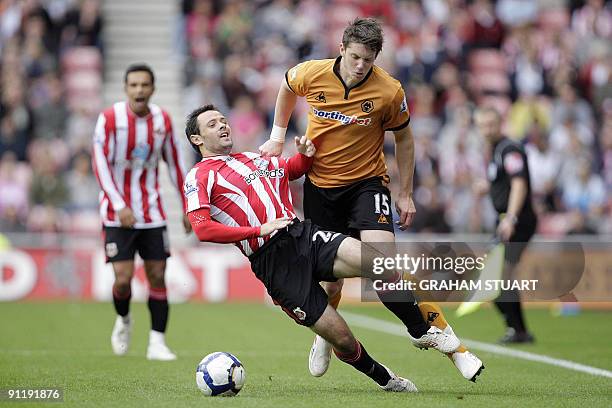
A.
pixel 347 125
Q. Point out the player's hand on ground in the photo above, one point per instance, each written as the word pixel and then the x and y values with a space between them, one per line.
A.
pixel 270 227
pixel 126 217
pixel 406 210
pixel 305 146
pixel 271 148
pixel 187 224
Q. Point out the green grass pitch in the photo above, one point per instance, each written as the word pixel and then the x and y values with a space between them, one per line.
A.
pixel 67 345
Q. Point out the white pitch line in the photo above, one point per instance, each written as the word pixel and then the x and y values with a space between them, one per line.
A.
pixel 396 329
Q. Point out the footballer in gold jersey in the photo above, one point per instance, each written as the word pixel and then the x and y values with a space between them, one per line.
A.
pixel 352 104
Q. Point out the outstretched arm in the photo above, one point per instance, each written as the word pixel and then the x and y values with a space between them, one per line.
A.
pixel 285 104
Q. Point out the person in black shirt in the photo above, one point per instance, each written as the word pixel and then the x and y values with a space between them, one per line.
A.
pixel 510 191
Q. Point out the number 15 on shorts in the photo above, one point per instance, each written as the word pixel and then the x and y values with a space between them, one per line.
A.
pixel 381 204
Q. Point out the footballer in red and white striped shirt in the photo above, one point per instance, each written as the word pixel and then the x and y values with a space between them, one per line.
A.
pixel 243 191
pixel 129 140
pixel 126 151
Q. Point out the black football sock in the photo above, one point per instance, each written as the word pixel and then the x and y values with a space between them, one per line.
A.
pixel 158 306
pixel 361 360
pixel 121 300
pixel 403 305
pixel 509 305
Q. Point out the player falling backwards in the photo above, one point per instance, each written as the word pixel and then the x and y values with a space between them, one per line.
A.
pixel 244 198
pixel 353 102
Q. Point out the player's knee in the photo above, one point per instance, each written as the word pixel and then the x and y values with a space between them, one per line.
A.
pixel 122 285
pixel 157 280
pixel 155 274
pixel 345 342
pixel 333 288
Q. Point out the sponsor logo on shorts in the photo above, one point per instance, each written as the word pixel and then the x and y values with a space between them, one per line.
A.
pixel 326 236
pixel 274 173
pixel 341 117
pixel 111 249
pixel 382 219
pixel 299 313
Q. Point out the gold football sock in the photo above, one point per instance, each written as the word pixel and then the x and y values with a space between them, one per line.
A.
pixel 433 315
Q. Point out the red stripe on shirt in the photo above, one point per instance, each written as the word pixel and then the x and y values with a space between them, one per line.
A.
pixel 145 171
pixel 109 130
pixel 131 143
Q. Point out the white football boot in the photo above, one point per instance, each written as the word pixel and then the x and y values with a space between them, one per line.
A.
pixel 398 384
pixel 157 349
pixel 320 354
pixel 122 332
pixel 467 363
pixel 437 339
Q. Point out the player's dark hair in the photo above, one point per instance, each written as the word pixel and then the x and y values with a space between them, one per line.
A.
pixel 366 31
pixel 192 128
pixel 139 68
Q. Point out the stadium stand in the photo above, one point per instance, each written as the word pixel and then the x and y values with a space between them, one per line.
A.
pixel 545 64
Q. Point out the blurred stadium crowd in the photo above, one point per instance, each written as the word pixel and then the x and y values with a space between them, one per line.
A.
pixel 51 93
pixel 546 65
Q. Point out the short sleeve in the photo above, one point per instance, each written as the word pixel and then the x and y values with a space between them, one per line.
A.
pixel 197 188
pixel 397 115
pixel 514 163
pixel 296 78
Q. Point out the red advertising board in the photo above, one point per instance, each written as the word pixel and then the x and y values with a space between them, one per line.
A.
pixel 208 273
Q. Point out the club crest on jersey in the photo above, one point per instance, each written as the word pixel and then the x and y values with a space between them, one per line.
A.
pixel 341 117
pixel 141 152
pixel 321 97
pixel 261 163
pixel 274 173
pixel 367 106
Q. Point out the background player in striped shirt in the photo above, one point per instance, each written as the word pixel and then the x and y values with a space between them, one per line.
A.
pixel 353 103
pixel 244 198
pixel 129 140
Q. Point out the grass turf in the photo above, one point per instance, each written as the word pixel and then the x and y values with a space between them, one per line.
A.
pixel 67 345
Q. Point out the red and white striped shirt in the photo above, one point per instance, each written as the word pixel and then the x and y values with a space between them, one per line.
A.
pixel 242 191
pixel 126 153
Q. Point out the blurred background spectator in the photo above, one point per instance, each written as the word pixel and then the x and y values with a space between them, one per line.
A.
pixel 545 65
pixel 46 112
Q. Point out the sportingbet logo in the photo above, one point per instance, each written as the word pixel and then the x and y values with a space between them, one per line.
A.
pixel 341 117
pixel 276 173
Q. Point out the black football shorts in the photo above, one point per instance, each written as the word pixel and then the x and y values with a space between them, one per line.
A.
pixel 121 244
pixel 291 265
pixel 365 205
